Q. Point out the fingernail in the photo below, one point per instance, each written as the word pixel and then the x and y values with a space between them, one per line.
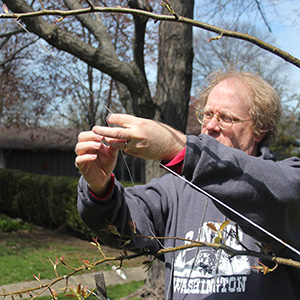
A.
pixel 108 117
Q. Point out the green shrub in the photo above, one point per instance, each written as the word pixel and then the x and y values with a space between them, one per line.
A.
pixel 44 200
pixel 48 201
pixel 8 225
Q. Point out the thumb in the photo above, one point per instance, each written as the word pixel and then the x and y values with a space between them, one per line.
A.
pixel 113 151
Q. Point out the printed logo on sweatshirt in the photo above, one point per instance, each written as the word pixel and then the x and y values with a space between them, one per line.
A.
pixel 207 271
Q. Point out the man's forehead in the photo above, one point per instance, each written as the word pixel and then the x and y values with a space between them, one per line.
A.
pixel 231 94
pixel 236 84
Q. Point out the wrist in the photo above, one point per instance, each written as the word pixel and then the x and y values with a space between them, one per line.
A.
pixel 101 191
pixel 179 144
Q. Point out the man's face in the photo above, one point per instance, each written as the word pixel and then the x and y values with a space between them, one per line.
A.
pixel 234 97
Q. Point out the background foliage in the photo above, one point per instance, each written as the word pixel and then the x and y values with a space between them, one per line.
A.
pixel 42 200
pixel 47 201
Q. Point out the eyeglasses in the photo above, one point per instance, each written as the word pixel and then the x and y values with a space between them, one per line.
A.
pixel 225 119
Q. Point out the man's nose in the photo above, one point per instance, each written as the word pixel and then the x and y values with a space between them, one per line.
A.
pixel 212 124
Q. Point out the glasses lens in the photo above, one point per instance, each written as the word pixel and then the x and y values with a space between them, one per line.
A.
pixel 203 116
pixel 225 120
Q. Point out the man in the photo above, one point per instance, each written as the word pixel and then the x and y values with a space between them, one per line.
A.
pixel 230 160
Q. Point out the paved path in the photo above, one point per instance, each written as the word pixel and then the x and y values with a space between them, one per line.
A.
pixel 111 278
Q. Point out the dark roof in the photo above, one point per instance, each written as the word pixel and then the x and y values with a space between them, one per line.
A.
pixel 38 138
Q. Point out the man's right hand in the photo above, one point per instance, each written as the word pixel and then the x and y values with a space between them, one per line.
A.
pixel 95 161
pixel 144 138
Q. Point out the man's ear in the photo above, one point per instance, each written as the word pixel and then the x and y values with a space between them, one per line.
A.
pixel 258 138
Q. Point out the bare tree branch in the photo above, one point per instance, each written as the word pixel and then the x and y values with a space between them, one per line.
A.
pixel 13 55
pixel 139 37
pixel 7 35
pixel 90 3
pixel 124 256
pixel 10 33
pixel 262 15
pixel 100 58
pixel 95 27
pixel 222 32
pixel 44 287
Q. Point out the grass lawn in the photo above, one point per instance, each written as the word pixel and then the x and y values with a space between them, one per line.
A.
pixel 122 290
pixel 28 252
pixel 19 260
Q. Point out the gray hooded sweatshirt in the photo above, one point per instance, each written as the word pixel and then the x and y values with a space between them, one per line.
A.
pixel 265 191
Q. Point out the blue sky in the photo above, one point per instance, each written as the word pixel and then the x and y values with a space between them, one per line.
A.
pixel 284 21
pixel 286 29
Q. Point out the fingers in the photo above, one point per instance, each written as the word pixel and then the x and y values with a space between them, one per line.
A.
pixel 112 132
pixel 86 148
pixel 81 160
pixel 119 144
pixel 88 142
pixel 120 137
pixel 89 136
pixel 115 136
pixel 123 120
pixel 86 152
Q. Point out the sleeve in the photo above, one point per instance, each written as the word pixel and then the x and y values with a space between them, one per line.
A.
pixel 176 164
pixel 265 191
pixel 109 191
pixel 144 207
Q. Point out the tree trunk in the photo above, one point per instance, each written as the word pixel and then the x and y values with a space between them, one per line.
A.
pixel 155 282
pixel 174 75
pixel 174 78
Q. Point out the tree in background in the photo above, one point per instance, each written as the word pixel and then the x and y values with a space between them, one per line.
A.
pixel 19 102
pixel 84 109
pixel 126 65
pixel 81 105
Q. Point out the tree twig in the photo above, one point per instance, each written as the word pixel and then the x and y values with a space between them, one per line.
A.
pixel 158 17
pixel 232 251
pixel 10 33
pixel 44 287
pixel 90 3
pixel 263 15
pixel 191 244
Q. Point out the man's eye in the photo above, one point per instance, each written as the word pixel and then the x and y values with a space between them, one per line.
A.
pixel 207 115
pixel 225 118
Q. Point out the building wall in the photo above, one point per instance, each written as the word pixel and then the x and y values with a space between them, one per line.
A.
pixel 2 159
pixel 135 165
pixel 54 162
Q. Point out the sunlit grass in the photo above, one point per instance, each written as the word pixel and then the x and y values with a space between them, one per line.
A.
pixel 19 261
pixel 23 255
